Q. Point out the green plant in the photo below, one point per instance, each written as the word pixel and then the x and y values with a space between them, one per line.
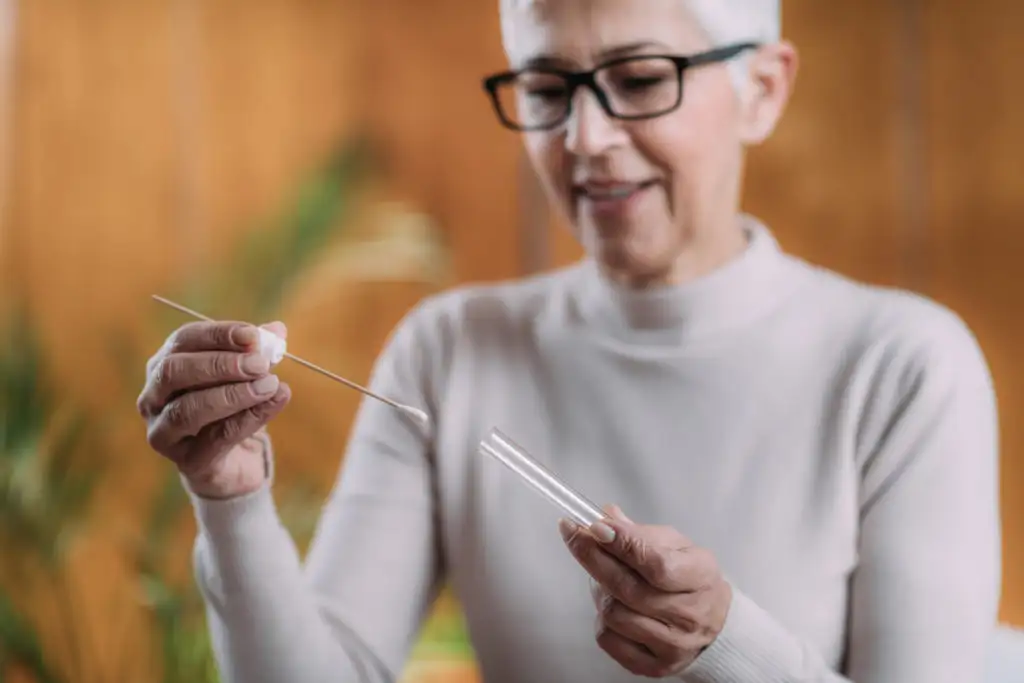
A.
pixel 50 469
pixel 46 483
pixel 20 646
pixel 251 285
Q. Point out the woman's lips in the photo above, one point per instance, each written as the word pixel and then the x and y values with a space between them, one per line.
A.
pixel 609 199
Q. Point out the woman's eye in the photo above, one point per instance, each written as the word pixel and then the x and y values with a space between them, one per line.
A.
pixel 641 82
pixel 552 93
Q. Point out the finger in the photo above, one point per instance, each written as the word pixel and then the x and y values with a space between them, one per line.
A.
pixel 616 520
pixel 277 327
pixel 664 641
pixel 214 336
pixel 219 437
pixel 188 414
pixel 207 336
pixel 684 612
pixel 632 656
pixel 178 372
pixel 673 570
pixel 621 581
pixel 617 578
pixel 666 559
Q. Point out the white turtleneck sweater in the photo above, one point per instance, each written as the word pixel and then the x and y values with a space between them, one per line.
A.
pixel 833 444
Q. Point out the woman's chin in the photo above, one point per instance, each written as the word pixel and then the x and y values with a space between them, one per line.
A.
pixel 631 266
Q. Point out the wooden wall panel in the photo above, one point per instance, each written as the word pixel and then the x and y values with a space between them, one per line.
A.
pixel 8 19
pixel 975 133
pixel 449 155
pixel 92 212
pixel 274 88
pixel 152 135
pixel 828 182
pixel 92 186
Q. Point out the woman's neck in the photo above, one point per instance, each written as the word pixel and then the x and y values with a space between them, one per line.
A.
pixel 745 285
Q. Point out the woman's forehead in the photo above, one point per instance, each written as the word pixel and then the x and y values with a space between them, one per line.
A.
pixel 583 31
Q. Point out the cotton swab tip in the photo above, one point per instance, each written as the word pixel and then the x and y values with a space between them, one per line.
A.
pixel 416 414
pixel 272 347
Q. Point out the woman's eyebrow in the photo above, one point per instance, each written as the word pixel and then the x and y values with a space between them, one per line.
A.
pixel 547 62
pixel 631 48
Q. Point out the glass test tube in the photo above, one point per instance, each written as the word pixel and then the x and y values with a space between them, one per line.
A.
pixel 502 448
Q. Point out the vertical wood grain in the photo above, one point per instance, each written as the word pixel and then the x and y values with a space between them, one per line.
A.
pixel 91 212
pixel 276 82
pixel 448 154
pixel 975 182
pixel 829 180
pixel 8 22
pixel 91 203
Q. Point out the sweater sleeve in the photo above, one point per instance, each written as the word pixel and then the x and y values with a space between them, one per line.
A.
pixel 351 612
pixel 925 593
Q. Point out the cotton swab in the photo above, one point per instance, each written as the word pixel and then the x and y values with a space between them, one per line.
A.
pixel 277 350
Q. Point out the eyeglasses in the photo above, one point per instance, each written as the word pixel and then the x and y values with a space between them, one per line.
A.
pixel 629 88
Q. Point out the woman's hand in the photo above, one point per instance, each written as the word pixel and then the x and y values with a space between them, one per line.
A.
pixel 660 599
pixel 208 393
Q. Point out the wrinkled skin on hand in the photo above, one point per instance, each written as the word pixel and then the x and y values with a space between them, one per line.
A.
pixel 208 397
pixel 660 599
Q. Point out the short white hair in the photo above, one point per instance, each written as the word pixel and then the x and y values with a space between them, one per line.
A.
pixel 738 21
pixel 726 22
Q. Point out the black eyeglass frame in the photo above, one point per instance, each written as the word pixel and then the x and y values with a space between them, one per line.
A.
pixel 576 79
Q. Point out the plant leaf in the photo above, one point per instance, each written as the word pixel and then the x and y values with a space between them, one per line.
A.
pixel 20 644
pixel 252 285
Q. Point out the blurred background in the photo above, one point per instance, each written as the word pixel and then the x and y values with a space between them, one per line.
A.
pixel 330 162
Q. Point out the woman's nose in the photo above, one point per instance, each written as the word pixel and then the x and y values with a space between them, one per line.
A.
pixel 590 129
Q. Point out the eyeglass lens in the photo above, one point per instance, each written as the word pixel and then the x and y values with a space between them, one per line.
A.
pixel 634 88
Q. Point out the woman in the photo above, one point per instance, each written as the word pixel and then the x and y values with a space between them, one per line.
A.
pixel 808 464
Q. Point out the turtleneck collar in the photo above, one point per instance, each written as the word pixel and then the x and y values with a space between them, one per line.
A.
pixel 735 294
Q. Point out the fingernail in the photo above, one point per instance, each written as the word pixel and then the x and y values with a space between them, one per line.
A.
pixel 244 336
pixel 266 385
pixel 255 364
pixel 567 528
pixel 602 532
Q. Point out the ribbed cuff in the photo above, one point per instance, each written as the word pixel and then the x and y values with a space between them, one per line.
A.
pixel 752 648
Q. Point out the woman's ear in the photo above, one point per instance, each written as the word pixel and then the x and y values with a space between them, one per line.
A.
pixel 772 76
